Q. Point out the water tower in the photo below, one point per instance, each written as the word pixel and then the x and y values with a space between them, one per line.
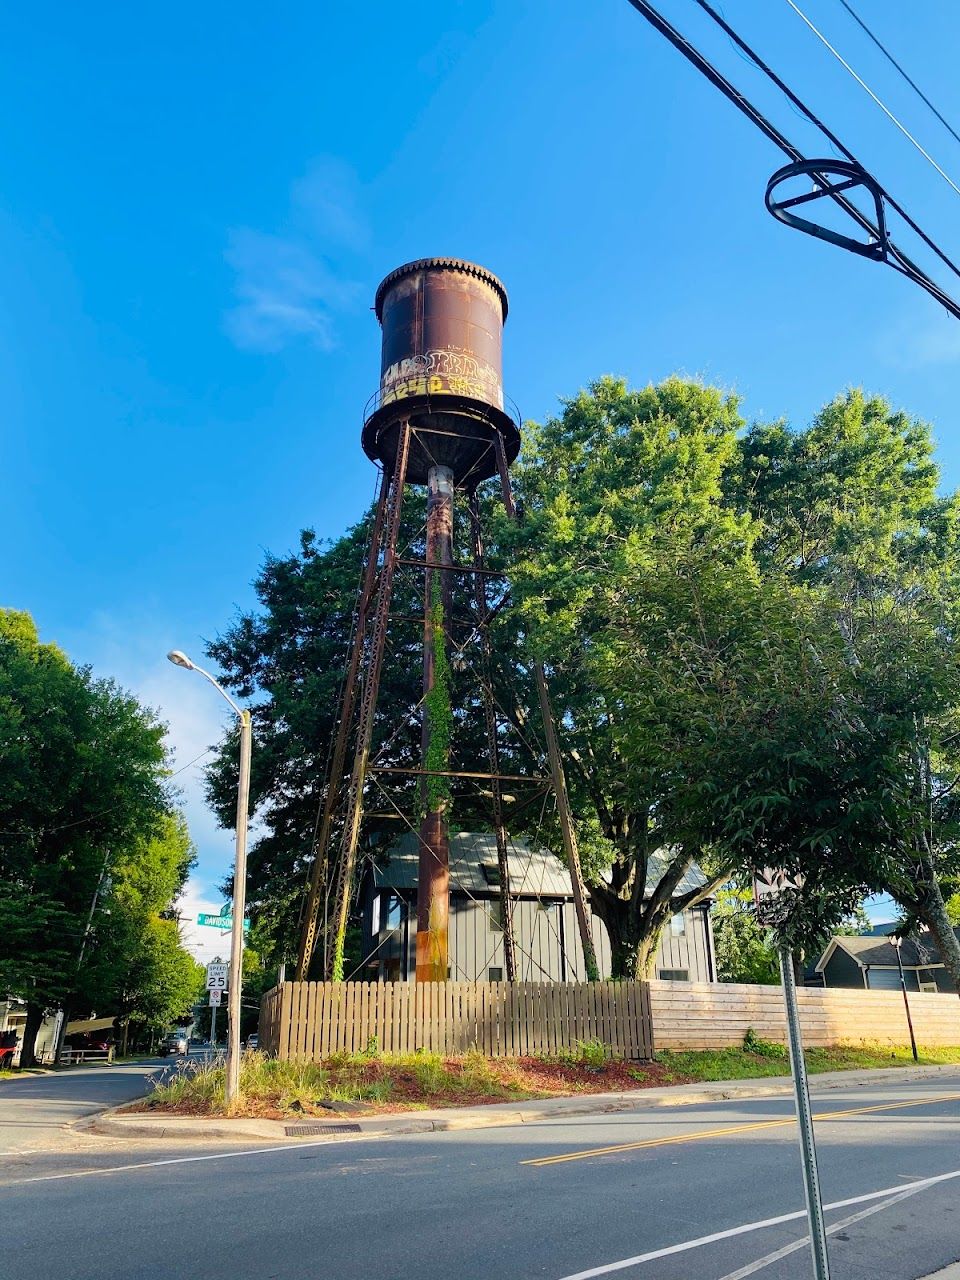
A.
pixel 438 420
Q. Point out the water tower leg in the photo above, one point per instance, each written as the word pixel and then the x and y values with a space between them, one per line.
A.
pixel 433 880
pixel 368 703
pixel 493 749
pixel 321 852
pixel 567 832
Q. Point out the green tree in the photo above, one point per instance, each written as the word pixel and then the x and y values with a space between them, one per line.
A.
pixel 137 956
pixel 82 776
pixel 748 636
pixel 851 508
pixel 742 946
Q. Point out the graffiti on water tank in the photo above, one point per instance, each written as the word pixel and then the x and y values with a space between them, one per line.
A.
pixel 441 373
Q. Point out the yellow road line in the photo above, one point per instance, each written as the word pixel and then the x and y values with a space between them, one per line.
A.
pixel 738 1128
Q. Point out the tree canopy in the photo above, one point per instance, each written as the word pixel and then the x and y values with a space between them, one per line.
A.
pixel 86 828
pixel 749 633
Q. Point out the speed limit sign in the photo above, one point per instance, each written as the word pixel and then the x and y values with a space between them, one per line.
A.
pixel 217 975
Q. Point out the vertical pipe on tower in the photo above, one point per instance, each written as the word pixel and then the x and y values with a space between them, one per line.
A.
pixel 433 880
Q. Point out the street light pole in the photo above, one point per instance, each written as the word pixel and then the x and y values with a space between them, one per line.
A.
pixel 239 879
pixel 234 991
pixel 897 943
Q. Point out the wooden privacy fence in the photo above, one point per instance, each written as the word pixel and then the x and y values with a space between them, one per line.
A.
pixel 716 1015
pixel 315 1019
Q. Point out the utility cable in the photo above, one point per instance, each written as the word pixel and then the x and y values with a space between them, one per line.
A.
pixel 725 87
pixel 891 254
pixel 880 103
pixel 891 59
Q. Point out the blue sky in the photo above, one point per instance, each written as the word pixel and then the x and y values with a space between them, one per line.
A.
pixel 197 203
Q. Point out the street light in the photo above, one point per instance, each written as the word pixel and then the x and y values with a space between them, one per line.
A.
pixel 897 943
pixel 180 659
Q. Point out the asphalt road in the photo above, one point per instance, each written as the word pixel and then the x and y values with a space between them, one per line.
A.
pixel 689 1194
pixel 35 1108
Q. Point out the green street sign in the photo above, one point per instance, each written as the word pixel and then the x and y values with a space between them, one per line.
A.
pixel 219 922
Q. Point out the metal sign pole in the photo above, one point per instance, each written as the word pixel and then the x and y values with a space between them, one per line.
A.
pixel 213 1026
pixel 808 1151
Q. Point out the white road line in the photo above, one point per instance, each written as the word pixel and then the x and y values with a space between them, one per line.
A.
pixel 220 1155
pixel 753 1267
pixel 747 1227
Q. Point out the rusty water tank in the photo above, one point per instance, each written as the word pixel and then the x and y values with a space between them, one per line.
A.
pixel 441 369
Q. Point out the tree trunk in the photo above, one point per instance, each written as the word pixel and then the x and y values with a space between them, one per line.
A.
pixel 30 1030
pixel 933 913
pixel 633 953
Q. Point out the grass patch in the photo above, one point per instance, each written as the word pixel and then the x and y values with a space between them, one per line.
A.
pixel 17 1073
pixel 761 1058
pixel 376 1083
pixel 384 1082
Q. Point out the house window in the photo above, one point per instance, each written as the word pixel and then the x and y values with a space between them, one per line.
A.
pixel 495 974
pixel 391 969
pixel 930 987
pixel 678 925
pixel 392 911
pixel 495 911
pixel 491 873
pixel 675 975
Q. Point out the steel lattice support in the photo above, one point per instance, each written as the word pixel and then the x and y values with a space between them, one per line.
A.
pixel 567 833
pixel 493 750
pixel 318 875
pixel 368 703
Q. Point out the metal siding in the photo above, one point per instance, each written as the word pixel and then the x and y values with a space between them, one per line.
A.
pixel 699 956
pixel 889 980
pixel 475 948
pixel 842 970
pixel 943 980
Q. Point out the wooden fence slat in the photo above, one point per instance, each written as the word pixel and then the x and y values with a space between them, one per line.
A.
pixel 316 1020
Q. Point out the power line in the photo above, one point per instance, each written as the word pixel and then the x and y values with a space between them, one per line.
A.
pixel 881 248
pixel 790 150
pixel 881 104
pixel 890 58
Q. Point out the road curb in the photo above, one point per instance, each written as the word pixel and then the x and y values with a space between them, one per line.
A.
pixel 124 1124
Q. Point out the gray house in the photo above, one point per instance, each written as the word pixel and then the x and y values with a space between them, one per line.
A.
pixel 544 921
pixel 870 962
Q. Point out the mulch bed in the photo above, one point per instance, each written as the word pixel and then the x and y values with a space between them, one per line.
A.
pixel 520 1080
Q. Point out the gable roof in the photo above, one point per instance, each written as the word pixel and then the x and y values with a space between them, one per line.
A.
pixel 871 951
pixel 534 873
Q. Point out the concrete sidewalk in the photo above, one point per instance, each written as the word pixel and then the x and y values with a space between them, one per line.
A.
pixel 141 1125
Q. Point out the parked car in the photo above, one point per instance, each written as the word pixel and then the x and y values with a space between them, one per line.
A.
pixel 174 1046
pixel 90 1041
pixel 253 1041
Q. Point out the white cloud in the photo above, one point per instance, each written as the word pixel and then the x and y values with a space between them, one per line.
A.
pixel 200 940
pixel 288 286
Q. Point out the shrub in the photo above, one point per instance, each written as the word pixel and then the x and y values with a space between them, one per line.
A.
pixel 752 1043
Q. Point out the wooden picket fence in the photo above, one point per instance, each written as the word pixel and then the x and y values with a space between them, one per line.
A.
pixel 313 1020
